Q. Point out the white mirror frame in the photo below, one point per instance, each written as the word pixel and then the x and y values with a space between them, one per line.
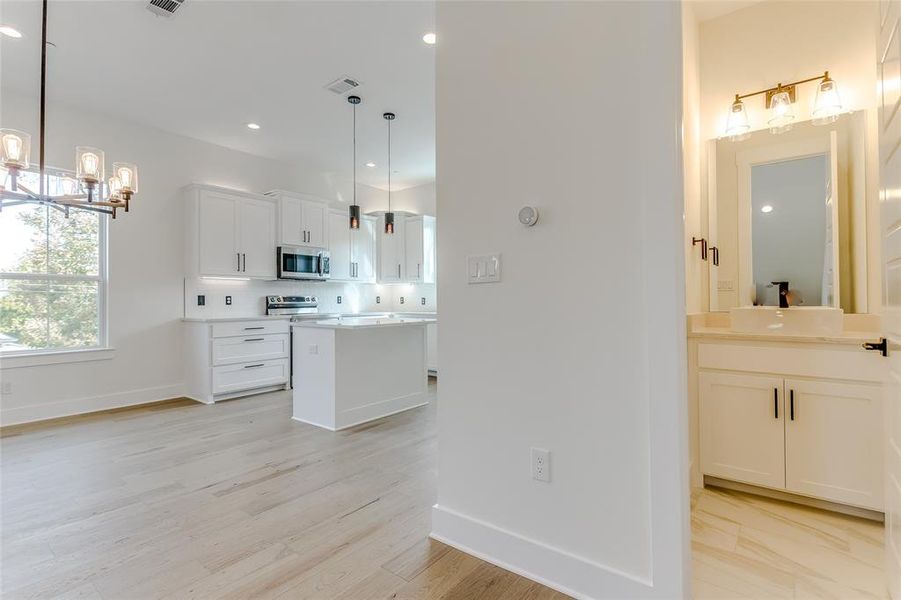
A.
pixel 795 149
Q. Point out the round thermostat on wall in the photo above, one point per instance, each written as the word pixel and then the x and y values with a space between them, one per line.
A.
pixel 528 215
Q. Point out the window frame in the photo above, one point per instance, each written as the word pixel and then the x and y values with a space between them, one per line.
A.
pixel 70 354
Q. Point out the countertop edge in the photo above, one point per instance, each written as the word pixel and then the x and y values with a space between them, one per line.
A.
pixel 848 338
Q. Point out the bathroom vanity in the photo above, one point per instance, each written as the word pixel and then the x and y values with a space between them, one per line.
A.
pixel 795 413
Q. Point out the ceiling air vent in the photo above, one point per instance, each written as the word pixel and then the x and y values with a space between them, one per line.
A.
pixel 164 8
pixel 342 85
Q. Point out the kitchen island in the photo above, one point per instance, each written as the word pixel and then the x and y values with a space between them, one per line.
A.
pixel 351 370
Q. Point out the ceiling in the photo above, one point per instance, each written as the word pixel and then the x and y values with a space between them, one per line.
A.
pixel 706 10
pixel 216 65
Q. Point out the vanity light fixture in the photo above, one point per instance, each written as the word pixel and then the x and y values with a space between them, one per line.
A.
pixel 778 100
pixel 389 216
pixel 88 191
pixel 354 208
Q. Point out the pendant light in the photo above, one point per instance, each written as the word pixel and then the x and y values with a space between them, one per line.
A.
pixel 354 208
pixel 389 216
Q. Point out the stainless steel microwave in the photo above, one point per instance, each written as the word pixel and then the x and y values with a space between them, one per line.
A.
pixel 302 263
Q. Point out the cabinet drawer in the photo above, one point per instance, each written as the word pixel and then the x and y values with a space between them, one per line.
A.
pixel 250 328
pixel 250 348
pixel 240 377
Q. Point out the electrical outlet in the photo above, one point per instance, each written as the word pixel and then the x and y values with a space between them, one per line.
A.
pixel 339 299
pixel 6 388
pixel 201 300
pixel 541 464
pixel 401 299
pixel 378 299
pixel 314 349
pixel 724 285
pixel 423 301
pixel 228 300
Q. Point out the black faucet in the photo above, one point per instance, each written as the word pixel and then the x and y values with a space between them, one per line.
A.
pixel 783 293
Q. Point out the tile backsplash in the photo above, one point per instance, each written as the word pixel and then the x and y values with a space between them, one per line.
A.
pixel 248 297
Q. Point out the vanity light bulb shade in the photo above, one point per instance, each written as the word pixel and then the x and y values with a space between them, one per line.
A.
pixel 389 223
pixel 828 105
pixel 89 164
pixel 781 113
pixel 737 126
pixel 354 216
pixel 127 174
pixel 68 186
pixel 15 148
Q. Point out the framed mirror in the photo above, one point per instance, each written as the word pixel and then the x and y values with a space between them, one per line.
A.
pixel 793 208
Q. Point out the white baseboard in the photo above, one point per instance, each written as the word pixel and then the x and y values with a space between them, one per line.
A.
pixel 78 406
pixel 553 567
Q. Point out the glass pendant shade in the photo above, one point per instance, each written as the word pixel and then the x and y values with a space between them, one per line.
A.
pixel 88 164
pixel 354 216
pixel 828 105
pixel 781 113
pixel 389 223
pixel 15 148
pixel 127 174
pixel 737 126
pixel 68 186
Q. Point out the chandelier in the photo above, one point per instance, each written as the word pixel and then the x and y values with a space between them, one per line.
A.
pixel 88 190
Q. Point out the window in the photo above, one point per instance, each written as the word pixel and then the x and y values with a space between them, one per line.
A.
pixel 52 276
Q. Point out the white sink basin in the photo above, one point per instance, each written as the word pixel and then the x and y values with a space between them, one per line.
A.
pixel 797 320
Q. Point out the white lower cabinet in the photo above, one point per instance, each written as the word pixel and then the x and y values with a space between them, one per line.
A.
pixel 236 358
pixel 742 430
pixel 815 437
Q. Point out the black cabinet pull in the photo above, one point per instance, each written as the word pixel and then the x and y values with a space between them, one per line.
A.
pixel 254 339
pixel 250 328
pixel 253 366
pixel 716 255
pixel 776 403
pixel 791 404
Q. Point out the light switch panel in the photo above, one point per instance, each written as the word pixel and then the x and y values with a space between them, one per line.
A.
pixel 484 268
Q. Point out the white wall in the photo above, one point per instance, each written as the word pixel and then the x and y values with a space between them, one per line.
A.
pixel 146 260
pixel 575 108
pixel 696 274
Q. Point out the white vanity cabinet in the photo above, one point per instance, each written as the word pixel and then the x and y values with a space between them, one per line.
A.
pixel 352 251
pixel 227 359
pixel 392 250
pixel 229 233
pixel 303 219
pixel 800 418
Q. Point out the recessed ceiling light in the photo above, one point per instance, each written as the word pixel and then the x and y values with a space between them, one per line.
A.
pixel 253 126
pixel 430 38
pixel 370 164
pixel 15 33
pixel 766 208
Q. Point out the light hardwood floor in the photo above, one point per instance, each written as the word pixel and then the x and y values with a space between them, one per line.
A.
pixel 236 500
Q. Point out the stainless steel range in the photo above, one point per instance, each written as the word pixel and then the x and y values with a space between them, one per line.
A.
pixel 291 305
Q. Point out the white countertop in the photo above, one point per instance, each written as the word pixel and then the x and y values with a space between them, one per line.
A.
pixel 320 317
pixel 726 333
pixel 358 322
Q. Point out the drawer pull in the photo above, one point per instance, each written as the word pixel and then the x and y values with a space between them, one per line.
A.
pixel 251 328
pixel 253 366
pixel 254 339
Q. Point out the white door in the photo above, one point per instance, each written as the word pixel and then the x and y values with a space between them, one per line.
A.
pixel 413 248
pixel 339 235
pixel 217 239
pixel 315 224
pixel 742 433
pixel 256 238
pixel 833 441
pixel 364 249
pixel 889 73
pixel 291 222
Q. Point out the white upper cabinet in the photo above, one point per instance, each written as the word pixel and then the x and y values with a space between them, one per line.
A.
pixel 229 233
pixel 352 250
pixel 303 220
pixel 419 249
pixel 391 250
